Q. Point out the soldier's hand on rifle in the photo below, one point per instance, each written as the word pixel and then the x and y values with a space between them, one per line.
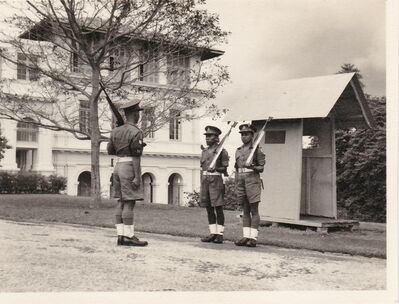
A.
pixel 136 182
pixel 221 169
pixel 250 166
pixel 255 168
pixel 258 169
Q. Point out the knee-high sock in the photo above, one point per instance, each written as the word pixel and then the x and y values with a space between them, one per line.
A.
pixel 254 234
pixel 119 229
pixel 212 229
pixel 219 229
pixel 128 230
pixel 246 232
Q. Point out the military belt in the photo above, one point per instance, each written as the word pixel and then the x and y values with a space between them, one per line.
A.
pixel 244 170
pixel 124 159
pixel 211 173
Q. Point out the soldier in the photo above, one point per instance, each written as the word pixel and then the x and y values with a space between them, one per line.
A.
pixel 248 185
pixel 212 187
pixel 126 142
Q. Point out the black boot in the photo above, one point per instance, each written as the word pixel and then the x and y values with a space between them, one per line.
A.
pixel 251 243
pixel 218 239
pixel 209 238
pixel 242 242
pixel 133 241
pixel 120 240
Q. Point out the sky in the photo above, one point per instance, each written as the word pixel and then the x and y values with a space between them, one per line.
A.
pixel 284 39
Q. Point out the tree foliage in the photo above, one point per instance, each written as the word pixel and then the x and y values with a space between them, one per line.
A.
pixel 3 146
pixel 350 68
pixel 361 168
pixel 361 164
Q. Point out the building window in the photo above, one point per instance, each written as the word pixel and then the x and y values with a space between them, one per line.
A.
pixel 116 59
pixel 310 142
pixel 76 63
pixel 147 122
pixel 275 137
pixel 84 116
pixel 25 159
pixel 175 189
pixel 24 72
pixel 178 70
pixel 27 131
pixel 149 68
pixel 175 125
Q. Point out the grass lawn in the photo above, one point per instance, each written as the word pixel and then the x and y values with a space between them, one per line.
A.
pixel 184 221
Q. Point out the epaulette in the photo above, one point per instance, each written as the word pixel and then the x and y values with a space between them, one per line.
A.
pixel 135 125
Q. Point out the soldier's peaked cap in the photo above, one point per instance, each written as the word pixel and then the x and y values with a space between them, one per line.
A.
pixel 247 128
pixel 212 130
pixel 132 106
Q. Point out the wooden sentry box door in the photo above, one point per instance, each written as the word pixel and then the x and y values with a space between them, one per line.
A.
pixel 282 175
pixel 318 170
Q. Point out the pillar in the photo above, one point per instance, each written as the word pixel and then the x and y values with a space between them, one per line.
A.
pixel 44 156
pixel 9 131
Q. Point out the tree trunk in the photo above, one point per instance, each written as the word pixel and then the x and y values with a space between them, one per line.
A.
pixel 95 142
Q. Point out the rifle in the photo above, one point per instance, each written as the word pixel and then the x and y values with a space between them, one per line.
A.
pixel 256 142
pixel 220 147
pixel 118 116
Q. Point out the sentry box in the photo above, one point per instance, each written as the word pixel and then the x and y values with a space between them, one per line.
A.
pixel 299 143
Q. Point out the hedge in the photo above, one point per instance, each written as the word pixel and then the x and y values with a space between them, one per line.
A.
pixel 230 196
pixel 27 182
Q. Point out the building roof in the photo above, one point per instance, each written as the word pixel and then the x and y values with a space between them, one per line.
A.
pixel 313 97
pixel 42 30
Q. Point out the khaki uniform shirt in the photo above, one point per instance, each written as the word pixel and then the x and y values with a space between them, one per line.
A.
pixel 243 152
pixel 126 140
pixel 209 153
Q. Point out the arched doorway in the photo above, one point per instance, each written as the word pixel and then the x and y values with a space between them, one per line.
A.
pixel 148 181
pixel 84 185
pixel 175 189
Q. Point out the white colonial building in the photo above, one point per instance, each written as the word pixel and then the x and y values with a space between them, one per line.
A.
pixel 170 164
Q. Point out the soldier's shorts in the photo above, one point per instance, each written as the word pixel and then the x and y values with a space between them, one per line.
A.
pixel 248 186
pixel 123 183
pixel 212 191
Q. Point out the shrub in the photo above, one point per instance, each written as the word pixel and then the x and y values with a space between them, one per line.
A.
pixel 7 182
pixel 361 169
pixel 193 198
pixel 43 184
pixel 230 196
pixel 57 183
pixel 28 182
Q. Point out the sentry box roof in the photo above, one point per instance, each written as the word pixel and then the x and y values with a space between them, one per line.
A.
pixel 315 97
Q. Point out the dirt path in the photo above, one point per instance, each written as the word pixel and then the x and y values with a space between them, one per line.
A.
pixel 47 257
